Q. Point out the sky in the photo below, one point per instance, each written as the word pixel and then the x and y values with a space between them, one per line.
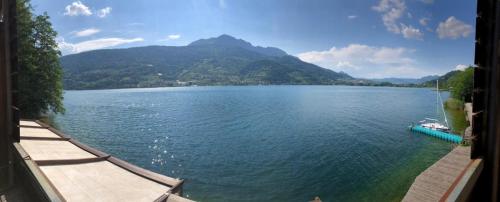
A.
pixel 364 38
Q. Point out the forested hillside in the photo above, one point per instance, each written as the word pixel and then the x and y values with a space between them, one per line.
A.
pixel 224 60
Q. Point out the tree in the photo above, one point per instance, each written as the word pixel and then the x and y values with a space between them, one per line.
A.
pixel 461 85
pixel 40 74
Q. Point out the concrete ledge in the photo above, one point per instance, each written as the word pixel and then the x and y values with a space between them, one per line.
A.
pixel 463 186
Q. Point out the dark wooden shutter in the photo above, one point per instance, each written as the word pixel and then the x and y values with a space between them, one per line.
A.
pixel 486 100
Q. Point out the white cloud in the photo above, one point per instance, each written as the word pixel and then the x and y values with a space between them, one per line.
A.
pixel 366 61
pixel 174 36
pixel 461 67
pixel 102 13
pixel 69 48
pixel 453 28
pixel 64 46
pixel 391 10
pixel 423 21
pixel 410 32
pixel 171 37
pixel 77 8
pixel 352 17
pixel 346 65
pixel 86 32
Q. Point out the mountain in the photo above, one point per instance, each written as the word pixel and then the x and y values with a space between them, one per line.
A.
pixel 229 41
pixel 443 80
pixel 407 80
pixel 223 60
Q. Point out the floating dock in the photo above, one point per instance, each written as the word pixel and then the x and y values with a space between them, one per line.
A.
pixel 436 133
pixel 77 172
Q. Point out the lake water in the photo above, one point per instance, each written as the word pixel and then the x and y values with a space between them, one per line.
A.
pixel 264 143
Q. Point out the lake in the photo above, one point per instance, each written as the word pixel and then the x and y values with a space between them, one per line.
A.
pixel 264 143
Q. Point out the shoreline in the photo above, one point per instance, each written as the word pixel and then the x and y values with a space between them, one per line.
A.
pixel 195 86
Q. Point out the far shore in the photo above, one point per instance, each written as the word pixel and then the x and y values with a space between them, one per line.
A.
pixel 193 86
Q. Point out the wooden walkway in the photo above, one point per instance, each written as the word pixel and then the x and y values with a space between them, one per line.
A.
pixel 80 173
pixel 435 182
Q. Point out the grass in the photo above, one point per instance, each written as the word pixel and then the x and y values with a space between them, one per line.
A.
pixel 455 112
pixel 452 103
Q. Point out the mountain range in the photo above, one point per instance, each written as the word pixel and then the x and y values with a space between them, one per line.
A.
pixel 407 80
pixel 443 80
pixel 222 60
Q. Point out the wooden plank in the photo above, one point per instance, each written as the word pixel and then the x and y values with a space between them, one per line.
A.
pixel 435 181
pixel 70 161
pixel 28 123
pixel 54 150
pixel 466 184
pixel 44 138
pixel 175 198
pixel 171 198
pixel 144 173
pixel 28 126
pixel 45 184
pixel 162 198
pixel 59 133
pixel 177 189
pixel 82 173
pixel 37 132
pixel 101 181
pixel 454 183
pixel 75 142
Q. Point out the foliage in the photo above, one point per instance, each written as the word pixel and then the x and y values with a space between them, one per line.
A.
pixel 461 85
pixel 443 80
pixel 400 81
pixel 40 74
pixel 455 104
pixel 457 120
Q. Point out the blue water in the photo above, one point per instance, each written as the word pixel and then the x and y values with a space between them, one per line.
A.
pixel 264 143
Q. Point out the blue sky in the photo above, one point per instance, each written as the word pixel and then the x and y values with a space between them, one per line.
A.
pixel 364 38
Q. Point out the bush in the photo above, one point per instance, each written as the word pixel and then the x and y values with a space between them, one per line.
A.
pixel 460 85
pixel 454 104
pixel 40 74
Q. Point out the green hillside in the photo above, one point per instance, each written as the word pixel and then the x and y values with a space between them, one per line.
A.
pixel 224 60
pixel 459 83
pixel 443 80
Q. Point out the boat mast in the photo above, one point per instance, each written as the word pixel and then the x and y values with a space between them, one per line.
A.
pixel 437 98
pixel 440 102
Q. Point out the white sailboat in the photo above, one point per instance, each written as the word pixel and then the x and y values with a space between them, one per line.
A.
pixel 434 124
pixel 433 127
